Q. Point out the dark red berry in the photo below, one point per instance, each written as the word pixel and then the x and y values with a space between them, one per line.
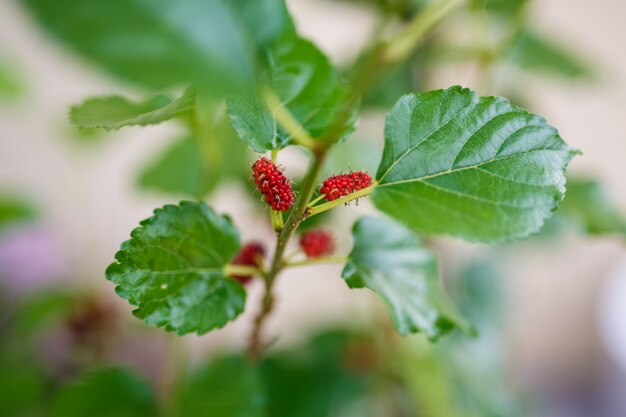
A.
pixel 273 184
pixel 344 184
pixel 317 243
pixel 248 255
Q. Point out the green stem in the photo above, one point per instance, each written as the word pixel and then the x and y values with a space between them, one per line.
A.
pixel 231 269
pixel 277 219
pixel 312 211
pixel 297 215
pixel 287 121
pixel 319 260
pixel 318 199
pixel 399 47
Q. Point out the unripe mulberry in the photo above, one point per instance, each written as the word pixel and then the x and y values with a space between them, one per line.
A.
pixel 317 243
pixel 249 256
pixel 273 184
pixel 344 184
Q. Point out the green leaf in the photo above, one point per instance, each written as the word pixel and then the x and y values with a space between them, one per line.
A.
pixel 534 52
pixel 308 87
pixel 589 204
pixel 392 261
pixel 157 43
pixel 227 387
pixel 267 20
pixel 107 393
pixel 172 269
pixel 115 112
pixel 473 167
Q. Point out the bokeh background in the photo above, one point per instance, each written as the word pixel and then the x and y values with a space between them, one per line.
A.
pixel 564 299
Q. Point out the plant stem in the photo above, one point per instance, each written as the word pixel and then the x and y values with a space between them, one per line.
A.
pixel 287 121
pixel 319 260
pixel 276 218
pixel 231 269
pixel 314 202
pixel 297 215
pixel 399 47
pixel 312 211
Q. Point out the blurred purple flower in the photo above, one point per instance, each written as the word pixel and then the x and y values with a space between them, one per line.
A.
pixel 30 258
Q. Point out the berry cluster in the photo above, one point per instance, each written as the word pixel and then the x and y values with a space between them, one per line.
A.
pixel 344 184
pixel 249 256
pixel 273 184
pixel 317 243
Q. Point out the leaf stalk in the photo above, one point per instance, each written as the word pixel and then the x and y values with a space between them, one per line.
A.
pixel 312 211
pixel 318 260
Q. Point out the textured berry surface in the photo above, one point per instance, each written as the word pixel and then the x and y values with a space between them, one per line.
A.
pixel 317 243
pixel 273 184
pixel 344 184
pixel 248 255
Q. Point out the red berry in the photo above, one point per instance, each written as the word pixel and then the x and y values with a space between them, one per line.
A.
pixel 273 184
pixel 248 255
pixel 317 243
pixel 344 184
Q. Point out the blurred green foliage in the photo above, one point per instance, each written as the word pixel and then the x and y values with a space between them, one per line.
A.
pixel 23 389
pixel 536 53
pixel 590 207
pixel 106 393
pixel 160 44
pixel 15 210
pixel 11 84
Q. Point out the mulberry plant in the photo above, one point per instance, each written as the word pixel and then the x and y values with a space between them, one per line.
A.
pixel 454 163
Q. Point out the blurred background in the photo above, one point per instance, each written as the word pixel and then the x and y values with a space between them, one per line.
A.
pixel 553 341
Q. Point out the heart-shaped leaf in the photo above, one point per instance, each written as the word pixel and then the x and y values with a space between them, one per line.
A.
pixel 172 269
pixel 390 260
pixel 473 167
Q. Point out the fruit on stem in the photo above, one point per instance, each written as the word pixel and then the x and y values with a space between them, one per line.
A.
pixel 273 184
pixel 316 243
pixel 343 184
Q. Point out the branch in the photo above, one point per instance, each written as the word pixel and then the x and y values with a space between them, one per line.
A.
pixel 297 215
